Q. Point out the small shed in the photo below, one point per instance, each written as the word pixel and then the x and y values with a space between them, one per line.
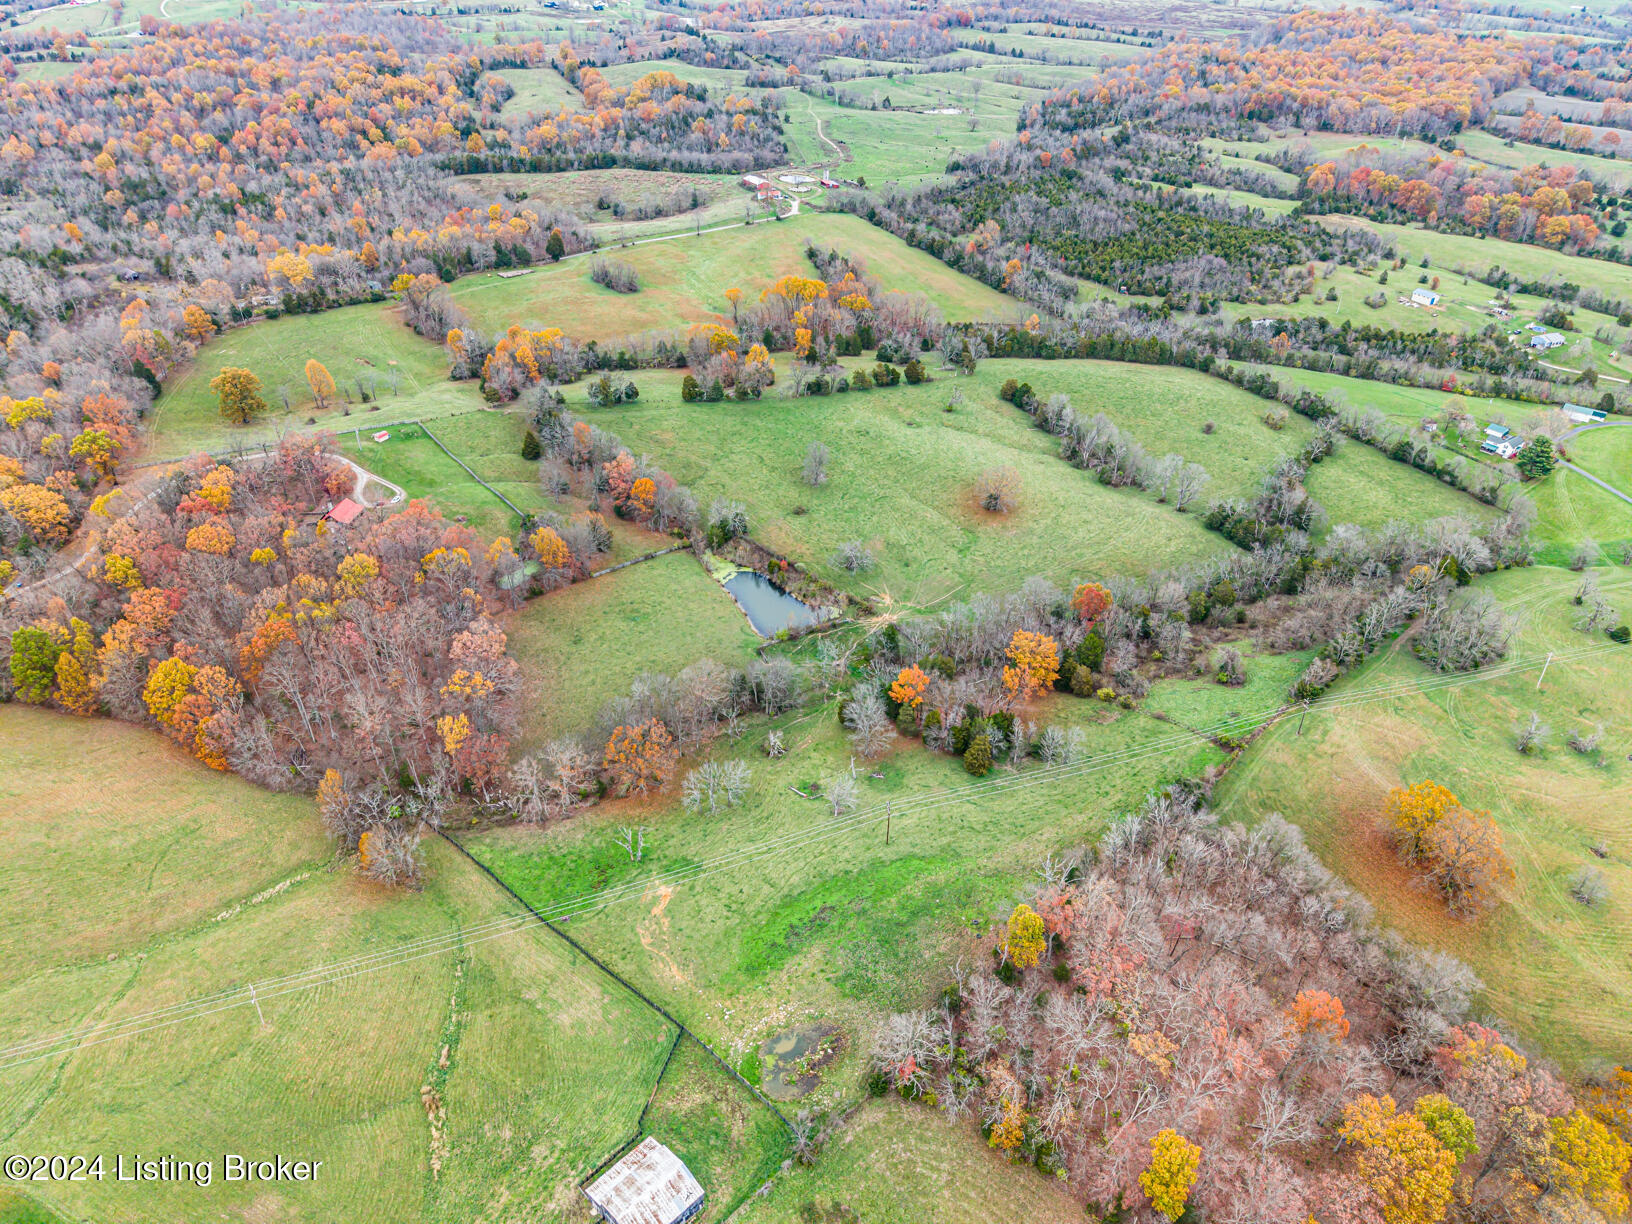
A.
pixel 1547 340
pixel 344 512
pixel 649 1185
pixel 1424 297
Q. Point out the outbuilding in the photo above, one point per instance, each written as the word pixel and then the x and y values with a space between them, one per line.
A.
pixel 649 1185
pixel 1547 340
pixel 1582 415
pixel 344 512
pixel 1424 297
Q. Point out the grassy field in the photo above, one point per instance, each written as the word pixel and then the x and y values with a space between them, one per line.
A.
pixel 539 91
pixel 1573 510
pixel 1554 970
pixel 727 1138
pixel 683 280
pixel 581 646
pixel 581 192
pixel 834 925
pixel 1459 252
pixel 889 1145
pixel 367 342
pixel 198 884
pixel 903 471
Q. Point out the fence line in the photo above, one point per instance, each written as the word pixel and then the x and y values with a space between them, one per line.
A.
pixel 619 979
pixel 522 514
pixel 662 552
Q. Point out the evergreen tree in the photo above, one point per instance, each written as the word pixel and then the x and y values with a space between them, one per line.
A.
pixel 1536 459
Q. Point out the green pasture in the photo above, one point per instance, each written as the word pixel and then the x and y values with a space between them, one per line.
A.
pixel 541 91
pixel 903 471
pixel 833 925
pixel 889 1144
pixel 684 279
pixel 1554 970
pixel 581 646
pixel 535 1066
pixel 367 342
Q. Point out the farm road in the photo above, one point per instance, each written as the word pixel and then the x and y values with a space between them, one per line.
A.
pixel 1582 472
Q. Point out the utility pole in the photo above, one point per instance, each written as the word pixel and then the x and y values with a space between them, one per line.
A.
pixel 1301 713
pixel 886 822
pixel 258 1013
pixel 1544 668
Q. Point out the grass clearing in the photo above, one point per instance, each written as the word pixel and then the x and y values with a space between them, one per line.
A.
pixel 539 1064
pixel 583 645
pixel 683 280
pixel 888 1145
pixel 842 928
pixel 1554 970
pixel 903 472
pixel 367 342
pixel 728 1139
pixel 542 91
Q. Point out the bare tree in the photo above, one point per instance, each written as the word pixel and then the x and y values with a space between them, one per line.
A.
pixel 1188 483
pixel 815 469
pixel 1530 736
pixel 854 556
pixel 998 490
pixel 633 840
pixel 868 720
pixel 841 792
pixel 715 784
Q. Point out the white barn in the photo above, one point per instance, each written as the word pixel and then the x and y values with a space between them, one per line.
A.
pixel 1424 297
pixel 650 1185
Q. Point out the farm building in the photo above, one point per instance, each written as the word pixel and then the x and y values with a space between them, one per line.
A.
pixel 650 1185
pixel 1583 415
pixel 1546 340
pixel 1424 297
pixel 755 181
pixel 344 512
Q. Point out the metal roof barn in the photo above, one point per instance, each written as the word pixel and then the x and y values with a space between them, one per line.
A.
pixel 651 1185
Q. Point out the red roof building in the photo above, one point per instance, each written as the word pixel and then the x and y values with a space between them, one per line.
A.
pixel 345 512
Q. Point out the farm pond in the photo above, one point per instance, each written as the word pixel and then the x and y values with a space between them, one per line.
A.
pixel 768 608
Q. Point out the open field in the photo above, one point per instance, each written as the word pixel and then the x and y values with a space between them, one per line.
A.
pixel 1460 252
pixel 1613 173
pixel 1574 511
pixel 721 198
pixel 582 646
pixel 683 280
pixel 903 470
pixel 539 91
pixel 728 1139
pixel 1554 970
pixel 889 1145
pixel 366 342
pixel 540 1065
pixel 843 926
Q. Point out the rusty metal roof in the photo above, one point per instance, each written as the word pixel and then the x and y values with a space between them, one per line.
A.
pixel 651 1185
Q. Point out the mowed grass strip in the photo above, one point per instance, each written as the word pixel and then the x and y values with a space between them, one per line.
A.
pixel 368 342
pixel 1554 970
pixel 537 1065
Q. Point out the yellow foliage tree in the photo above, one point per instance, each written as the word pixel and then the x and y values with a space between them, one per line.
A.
pixel 1590 1161
pixel 1409 1170
pixel 1167 1180
pixel 197 323
pixel 43 512
pixel 1034 664
pixel 238 395
pixel 909 686
pixel 1413 810
pixel 1026 939
pixel 166 686
pixel 320 381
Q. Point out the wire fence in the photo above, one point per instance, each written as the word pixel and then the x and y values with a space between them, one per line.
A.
pixel 619 979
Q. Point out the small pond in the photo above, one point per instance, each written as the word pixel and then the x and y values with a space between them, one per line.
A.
pixel 793 1061
pixel 769 609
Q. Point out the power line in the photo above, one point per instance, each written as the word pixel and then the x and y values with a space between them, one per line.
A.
pixel 98 1032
